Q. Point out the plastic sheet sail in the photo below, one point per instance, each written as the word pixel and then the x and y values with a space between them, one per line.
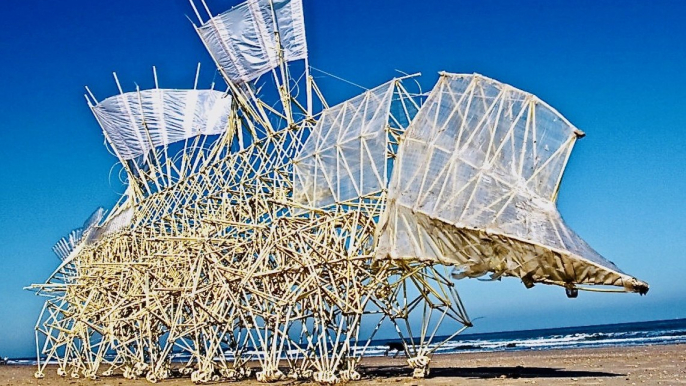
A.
pixel 475 184
pixel 269 232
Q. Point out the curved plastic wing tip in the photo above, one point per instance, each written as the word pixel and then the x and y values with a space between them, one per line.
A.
pixel 637 286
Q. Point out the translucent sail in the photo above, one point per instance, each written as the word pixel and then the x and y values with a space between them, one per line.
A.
pixel 345 155
pixel 66 245
pixel 475 185
pixel 243 40
pixel 136 122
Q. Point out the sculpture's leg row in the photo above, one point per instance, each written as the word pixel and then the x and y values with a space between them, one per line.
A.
pixel 419 365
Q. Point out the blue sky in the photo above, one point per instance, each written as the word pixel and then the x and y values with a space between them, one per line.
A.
pixel 614 69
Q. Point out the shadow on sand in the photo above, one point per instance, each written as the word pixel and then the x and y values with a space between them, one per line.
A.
pixel 489 372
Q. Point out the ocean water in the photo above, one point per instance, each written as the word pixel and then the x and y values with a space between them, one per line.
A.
pixel 606 335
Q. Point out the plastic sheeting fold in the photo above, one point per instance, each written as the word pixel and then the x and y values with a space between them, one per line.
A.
pixel 345 155
pixel 243 41
pixel 136 122
pixel 474 186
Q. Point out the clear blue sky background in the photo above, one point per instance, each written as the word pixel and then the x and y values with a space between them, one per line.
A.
pixel 615 69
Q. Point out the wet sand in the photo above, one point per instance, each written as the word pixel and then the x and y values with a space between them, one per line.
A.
pixel 645 365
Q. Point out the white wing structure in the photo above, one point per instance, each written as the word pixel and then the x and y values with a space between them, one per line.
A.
pixel 254 37
pixel 139 121
pixel 268 229
pixel 67 244
pixel 344 157
pixel 475 185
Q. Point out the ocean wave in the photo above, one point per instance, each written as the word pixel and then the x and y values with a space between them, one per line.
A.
pixel 621 335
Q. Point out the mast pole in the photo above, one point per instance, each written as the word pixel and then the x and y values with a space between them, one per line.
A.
pixel 308 87
pixel 197 75
pixel 152 153
pixel 195 9
pixel 284 91
pixel 137 193
pixel 138 169
pixel 166 145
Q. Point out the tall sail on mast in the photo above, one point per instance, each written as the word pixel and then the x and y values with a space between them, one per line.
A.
pixel 248 40
pixel 138 121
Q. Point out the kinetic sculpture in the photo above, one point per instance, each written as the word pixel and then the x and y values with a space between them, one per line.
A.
pixel 265 232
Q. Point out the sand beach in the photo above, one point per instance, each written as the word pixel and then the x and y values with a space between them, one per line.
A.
pixel 640 365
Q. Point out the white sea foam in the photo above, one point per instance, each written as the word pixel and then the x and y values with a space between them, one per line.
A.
pixel 647 333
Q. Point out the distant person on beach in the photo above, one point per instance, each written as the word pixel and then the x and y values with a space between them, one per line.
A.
pixel 397 346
